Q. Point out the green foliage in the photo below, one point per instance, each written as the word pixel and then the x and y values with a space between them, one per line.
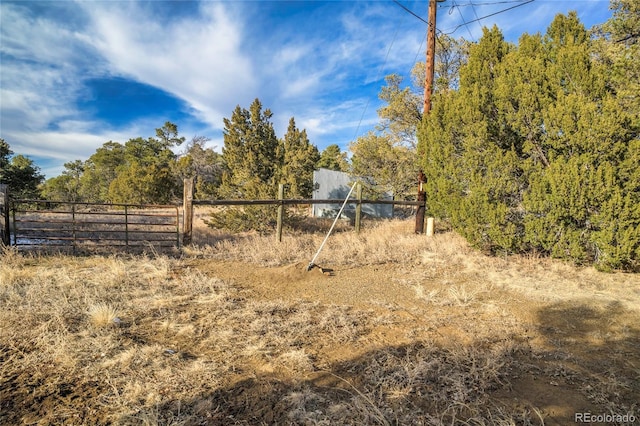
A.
pixel 450 55
pixel 5 155
pixel 536 150
pixel 100 170
pixel 146 176
pixel 19 172
pixel 204 165
pixel 58 188
pixel 256 162
pixel 391 168
pixel 146 172
pixel 65 187
pixel 142 171
pixel 253 156
pixel 333 158
pixel 252 153
pixel 402 114
pixel 618 48
pixel 300 158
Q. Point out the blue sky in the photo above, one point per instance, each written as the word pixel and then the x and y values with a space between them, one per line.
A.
pixel 76 74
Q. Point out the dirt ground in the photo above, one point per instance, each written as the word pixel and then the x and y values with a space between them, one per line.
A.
pixel 562 348
pixel 445 336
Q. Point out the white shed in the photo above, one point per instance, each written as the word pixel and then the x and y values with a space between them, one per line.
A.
pixel 332 185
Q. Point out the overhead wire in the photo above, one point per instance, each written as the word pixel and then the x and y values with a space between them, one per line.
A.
pixel 465 23
pixel 472 4
pixel 488 16
pixel 475 13
pixel 410 11
pixel 454 6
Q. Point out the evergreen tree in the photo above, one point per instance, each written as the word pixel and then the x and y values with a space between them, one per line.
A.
pixel 23 177
pixel 402 114
pixel 618 49
pixel 536 151
pixel 203 164
pixel 100 169
pixel 146 175
pixel 252 154
pixel 253 157
pixel 5 159
pixel 57 188
pixel 65 187
pixel 572 203
pixel 300 158
pixel 333 158
pixel 383 166
pixel 471 155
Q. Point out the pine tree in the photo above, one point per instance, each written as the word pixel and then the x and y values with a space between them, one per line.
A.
pixel 23 177
pixel 100 169
pixel 253 158
pixel 472 155
pixel 300 158
pixel 383 166
pixel 574 206
pixel 204 165
pixel 146 174
pixel 333 158
pixel 252 154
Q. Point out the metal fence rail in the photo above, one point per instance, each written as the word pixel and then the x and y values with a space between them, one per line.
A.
pixel 47 224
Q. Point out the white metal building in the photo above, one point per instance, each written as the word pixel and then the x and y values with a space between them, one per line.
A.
pixel 331 184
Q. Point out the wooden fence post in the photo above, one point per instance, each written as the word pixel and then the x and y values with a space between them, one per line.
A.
pixel 126 226
pixel 280 212
pixel 187 214
pixel 358 207
pixel 5 230
pixel 422 196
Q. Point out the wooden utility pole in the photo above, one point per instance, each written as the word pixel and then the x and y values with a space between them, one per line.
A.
pixel 428 89
pixel 431 56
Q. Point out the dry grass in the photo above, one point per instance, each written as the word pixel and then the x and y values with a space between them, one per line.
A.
pixel 410 330
pixel 103 315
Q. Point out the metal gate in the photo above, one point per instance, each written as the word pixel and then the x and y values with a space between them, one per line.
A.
pixel 40 224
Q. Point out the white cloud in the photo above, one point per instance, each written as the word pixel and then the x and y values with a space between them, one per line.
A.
pixel 197 59
pixel 326 71
pixel 340 123
pixel 49 56
pixel 39 83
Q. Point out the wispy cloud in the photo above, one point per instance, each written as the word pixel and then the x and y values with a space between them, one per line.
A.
pixel 197 59
pixel 320 62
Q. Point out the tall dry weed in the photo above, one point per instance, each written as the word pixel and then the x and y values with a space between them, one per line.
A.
pixel 103 315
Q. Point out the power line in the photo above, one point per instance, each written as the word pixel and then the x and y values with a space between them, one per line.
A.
pixel 460 12
pixel 488 16
pixel 474 12
pixel 520 3
pixel 410 11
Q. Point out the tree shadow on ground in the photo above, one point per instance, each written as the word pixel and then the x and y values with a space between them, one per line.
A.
pixel 586 360
pixel 592 357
